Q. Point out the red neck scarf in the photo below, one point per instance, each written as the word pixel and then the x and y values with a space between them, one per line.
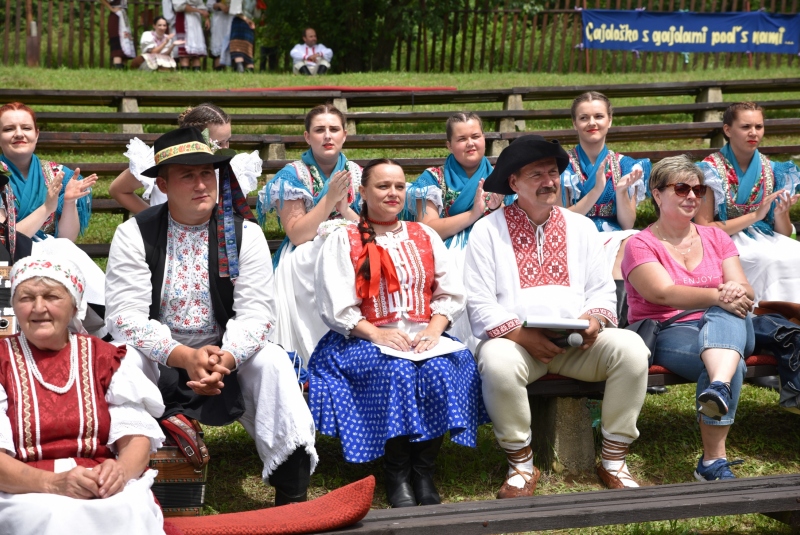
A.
pixel 380 265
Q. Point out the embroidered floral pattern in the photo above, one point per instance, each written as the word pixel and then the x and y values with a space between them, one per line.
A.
pixel 539 268
pixel 183 148
pixel 607 314
pixel 186 299
pixel 310 176
pixel 606 205
pixel 449 196
pixel 504 328
pixel 66 273
pixel 730 185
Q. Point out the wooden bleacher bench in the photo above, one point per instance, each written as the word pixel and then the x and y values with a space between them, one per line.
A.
pixel 93 141
pixel 774 496
pixel 364 99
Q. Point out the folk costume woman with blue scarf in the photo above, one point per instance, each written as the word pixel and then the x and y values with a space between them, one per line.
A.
pixel 390 283
pixel 450 199
pixel 319 187
pixel 603 185
pixel 52 203
pixel 752 197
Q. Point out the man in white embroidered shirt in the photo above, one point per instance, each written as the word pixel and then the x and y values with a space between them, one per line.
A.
pixel 189 284
pixel 310 57
pixel 534 258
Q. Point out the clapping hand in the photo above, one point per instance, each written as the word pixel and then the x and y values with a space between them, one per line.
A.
pixel 629 180
pixel 53 191
pixel 785 201
pixel 78 188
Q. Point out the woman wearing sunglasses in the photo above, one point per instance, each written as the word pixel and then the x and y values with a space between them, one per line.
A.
pixel 752 197
pixel 675 265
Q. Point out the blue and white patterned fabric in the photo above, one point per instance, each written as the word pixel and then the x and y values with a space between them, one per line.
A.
pixel 364 397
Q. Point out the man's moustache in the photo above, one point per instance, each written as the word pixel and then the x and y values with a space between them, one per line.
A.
pixel 542 191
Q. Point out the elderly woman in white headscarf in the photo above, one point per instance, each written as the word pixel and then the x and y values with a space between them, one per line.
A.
pixel 76 422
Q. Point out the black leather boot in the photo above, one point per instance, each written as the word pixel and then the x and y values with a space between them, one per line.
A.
pixel 291 478
pixel 322 69
pixel 304 71
pixel 423 464
pixel 397 468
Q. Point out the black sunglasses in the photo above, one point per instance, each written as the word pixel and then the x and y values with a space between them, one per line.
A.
pixel 682 189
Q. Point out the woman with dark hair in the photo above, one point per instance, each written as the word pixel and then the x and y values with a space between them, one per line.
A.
pixel 387 283
pixel 601 184
pixel 120 39
pixel 450 199
pixel 319 187
pixel 205 116
pixel 674 266
pixel 752 197
pixel 156 47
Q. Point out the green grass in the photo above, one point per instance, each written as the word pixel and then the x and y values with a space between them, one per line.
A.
pixel 764 436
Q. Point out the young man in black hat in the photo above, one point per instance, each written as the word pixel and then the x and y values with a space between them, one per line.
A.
pixel 189 289
pixel 534 258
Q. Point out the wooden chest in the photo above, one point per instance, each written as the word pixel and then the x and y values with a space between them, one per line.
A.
pixel 179 488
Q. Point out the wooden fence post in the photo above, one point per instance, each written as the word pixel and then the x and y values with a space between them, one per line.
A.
pixel 711 94
pixel 130 105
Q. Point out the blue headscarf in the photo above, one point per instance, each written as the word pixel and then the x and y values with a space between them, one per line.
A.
pixel 31 193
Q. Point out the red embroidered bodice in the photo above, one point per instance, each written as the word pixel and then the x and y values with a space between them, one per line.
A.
pixel 413 260
pixel 47 425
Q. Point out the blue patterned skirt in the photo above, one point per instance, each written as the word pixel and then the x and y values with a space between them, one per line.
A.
pixel 364 397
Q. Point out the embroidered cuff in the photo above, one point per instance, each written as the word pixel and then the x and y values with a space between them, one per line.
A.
pixel 443 310
pixel 607 314
pixel 352 325
pixel 162 349
pixel 240 354
pixel 504 328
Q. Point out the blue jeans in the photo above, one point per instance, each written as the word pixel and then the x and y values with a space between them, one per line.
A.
pixel 780 337
pixel 678 348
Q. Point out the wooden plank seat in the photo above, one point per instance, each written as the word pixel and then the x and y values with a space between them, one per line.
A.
pixel 417 165
pixel 776 496
pixel 552 385
pixel 92 141
pixel 308 99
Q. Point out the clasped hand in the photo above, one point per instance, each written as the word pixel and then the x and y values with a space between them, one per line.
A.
pixel 401 341
pixel 102 481
pixel 338 190
pixel 733 298
pixel 206 371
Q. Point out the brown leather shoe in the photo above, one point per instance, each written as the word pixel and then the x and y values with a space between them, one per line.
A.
pixel 510 491
pixel 614 481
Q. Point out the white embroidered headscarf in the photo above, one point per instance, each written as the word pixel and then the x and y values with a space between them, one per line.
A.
pixel 62 271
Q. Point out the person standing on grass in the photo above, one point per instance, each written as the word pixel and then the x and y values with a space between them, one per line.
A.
pixel 52 204
pixel 389 283
pixel 675 265
pixel 187 20
pixel 309 57
pixel 536 258
pixel 322 186
pixel 601 184
pixel 190 287
pixel 120 39
pixel 220 33
pixel 450 199
pixel 205 116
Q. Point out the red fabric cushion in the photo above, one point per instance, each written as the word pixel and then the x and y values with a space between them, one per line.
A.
pixel 337 509
pixel 755 360
pixel 655 369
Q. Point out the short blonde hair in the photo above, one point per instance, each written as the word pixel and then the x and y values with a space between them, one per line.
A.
pixel 671 168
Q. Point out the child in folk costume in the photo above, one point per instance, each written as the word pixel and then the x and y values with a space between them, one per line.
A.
pixel 450 199
pixel 206 116
pixel 752 197
pixel 157 46
pixel 187 20
pixel 321 186
pixel 601 184
pixel 389 283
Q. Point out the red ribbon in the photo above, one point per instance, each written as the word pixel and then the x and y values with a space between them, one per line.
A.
pixel 380 265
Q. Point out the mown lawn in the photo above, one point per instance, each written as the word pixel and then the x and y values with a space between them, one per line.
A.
pixel 767 438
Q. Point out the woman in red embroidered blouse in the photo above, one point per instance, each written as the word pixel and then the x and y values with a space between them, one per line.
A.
pixel 387 284
pixel 76 425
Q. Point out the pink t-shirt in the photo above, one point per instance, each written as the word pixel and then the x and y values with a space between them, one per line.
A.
pixel 645 247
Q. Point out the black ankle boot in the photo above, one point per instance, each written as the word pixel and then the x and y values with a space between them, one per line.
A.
pixel 423 464
pixel 304 70
pixel 322 69
pixel 291 478
pixel 119 66
pixel 397 467
pixel 196 69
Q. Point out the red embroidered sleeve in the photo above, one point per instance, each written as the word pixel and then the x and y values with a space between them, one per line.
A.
pixel 504 328
pixel 607 314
